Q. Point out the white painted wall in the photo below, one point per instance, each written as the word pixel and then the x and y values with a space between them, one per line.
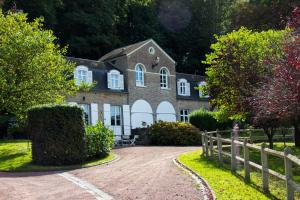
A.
pixel 166 112
pixel 141 111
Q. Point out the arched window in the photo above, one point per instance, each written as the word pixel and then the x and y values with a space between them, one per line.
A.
pixel 164 78
pixel 83 75
pixel 183 87
pixel 139 75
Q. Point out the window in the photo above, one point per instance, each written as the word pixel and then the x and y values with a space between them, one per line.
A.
pixel 139 75
pixel 201 85
pixel 164 78
pixel 184 115
pixel 115 80
pixel 183 87
pixel 83 75
pixel 115 112
pixel 151 50
pixel 86 113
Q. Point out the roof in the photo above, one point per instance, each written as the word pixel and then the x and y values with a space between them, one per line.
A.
pixel 99 70
pixel 127 50
pixel 194 80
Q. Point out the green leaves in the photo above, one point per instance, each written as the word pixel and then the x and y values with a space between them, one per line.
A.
pixel 237 65
pixel 33 68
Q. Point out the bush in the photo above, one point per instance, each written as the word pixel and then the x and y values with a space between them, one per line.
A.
pixel 57 134
pixel 17 130
pixel 174 133
pixel 99 140
pixel 203 119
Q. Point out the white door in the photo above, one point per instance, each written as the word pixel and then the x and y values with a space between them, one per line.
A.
pixel 165 112
pixel 141 114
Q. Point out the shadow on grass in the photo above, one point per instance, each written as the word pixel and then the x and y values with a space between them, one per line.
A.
pixel 225 168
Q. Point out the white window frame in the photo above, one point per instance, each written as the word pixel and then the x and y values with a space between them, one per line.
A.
pixel 86 112
pixel 140 75
pixel 202 83
pixel 183 87
pixel 115 80
pixel 83 75
pixel 116 111
pixel 164 78
pixel 151 50
pixel 184 115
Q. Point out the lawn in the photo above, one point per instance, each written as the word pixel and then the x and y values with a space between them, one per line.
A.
pixel 229 186
pixel 15 155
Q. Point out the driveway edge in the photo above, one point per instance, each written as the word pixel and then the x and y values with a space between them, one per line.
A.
pixel 206 190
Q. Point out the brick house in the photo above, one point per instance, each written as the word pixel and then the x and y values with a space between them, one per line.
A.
pixel 135 86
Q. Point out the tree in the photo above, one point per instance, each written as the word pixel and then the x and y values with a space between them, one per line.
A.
pixel 237 65
pixel 33 68
pixel 282 97
pixel 261 14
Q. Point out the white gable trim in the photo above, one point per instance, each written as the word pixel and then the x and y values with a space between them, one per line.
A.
pixel 151 40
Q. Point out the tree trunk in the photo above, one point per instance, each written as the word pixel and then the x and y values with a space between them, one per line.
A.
pixel 270 135
pixel 297 134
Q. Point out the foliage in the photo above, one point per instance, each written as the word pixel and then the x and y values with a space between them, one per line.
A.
pixel 16 156
pixel 99 140
pixel 92 28
pixel 203 119
pixel 237 65
pixel 278 98
pixel 261 14
pixel 57 134
pixel 86 87
pixel 33 68
pixel 174 133
pixel 225 184
pixel 17 131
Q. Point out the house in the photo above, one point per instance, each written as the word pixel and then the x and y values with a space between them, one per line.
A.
pixel 135 86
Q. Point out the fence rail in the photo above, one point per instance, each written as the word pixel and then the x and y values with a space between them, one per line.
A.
pixel 208 141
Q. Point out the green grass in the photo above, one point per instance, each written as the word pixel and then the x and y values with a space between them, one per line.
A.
pixel 229 186
pixel 15 155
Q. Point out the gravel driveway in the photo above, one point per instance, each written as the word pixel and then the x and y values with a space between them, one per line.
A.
pixel 141 173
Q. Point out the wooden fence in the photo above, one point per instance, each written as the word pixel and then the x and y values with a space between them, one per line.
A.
pixel 208 140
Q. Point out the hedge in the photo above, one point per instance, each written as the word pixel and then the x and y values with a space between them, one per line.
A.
pixel 57 134
pixel 203 119
pixel 174 133
pixel 99 141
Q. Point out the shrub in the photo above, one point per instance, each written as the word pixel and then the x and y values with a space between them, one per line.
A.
pixel 57 134
pixel 174 133
pixel 203 119
pixel 17 131
pixel 99 140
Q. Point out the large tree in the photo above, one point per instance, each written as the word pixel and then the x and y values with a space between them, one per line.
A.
pixel 237 65
pixel 33 68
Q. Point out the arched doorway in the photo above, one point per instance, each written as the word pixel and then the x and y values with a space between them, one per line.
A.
pixel 141 114
pixel 166 112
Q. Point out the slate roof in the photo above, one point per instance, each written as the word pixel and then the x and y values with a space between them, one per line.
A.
pixel 99 70
pixel 123 51
pixel 194 81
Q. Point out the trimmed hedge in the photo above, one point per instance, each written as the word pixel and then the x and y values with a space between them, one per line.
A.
pixel 203 119
pixel 57 134
pixel 99 141
pixel 174 133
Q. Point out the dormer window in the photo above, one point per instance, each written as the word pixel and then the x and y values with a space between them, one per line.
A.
pixel 202 84
pixel 183 87
pixel 139 75
pixel 115 80
pixel 83 75
pixel 164 78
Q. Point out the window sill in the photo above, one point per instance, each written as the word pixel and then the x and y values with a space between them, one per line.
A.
pixel 142 86
pixel 165 88
pixel 184 95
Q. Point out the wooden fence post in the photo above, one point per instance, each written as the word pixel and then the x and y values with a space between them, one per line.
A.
pixel 219 142
pixel 233 156
pixel 211 146
pixel 246 161
pixel 265 171
pixel 206 144
pixel 288 174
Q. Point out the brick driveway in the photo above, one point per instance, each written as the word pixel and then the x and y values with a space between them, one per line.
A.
pixel 141 173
